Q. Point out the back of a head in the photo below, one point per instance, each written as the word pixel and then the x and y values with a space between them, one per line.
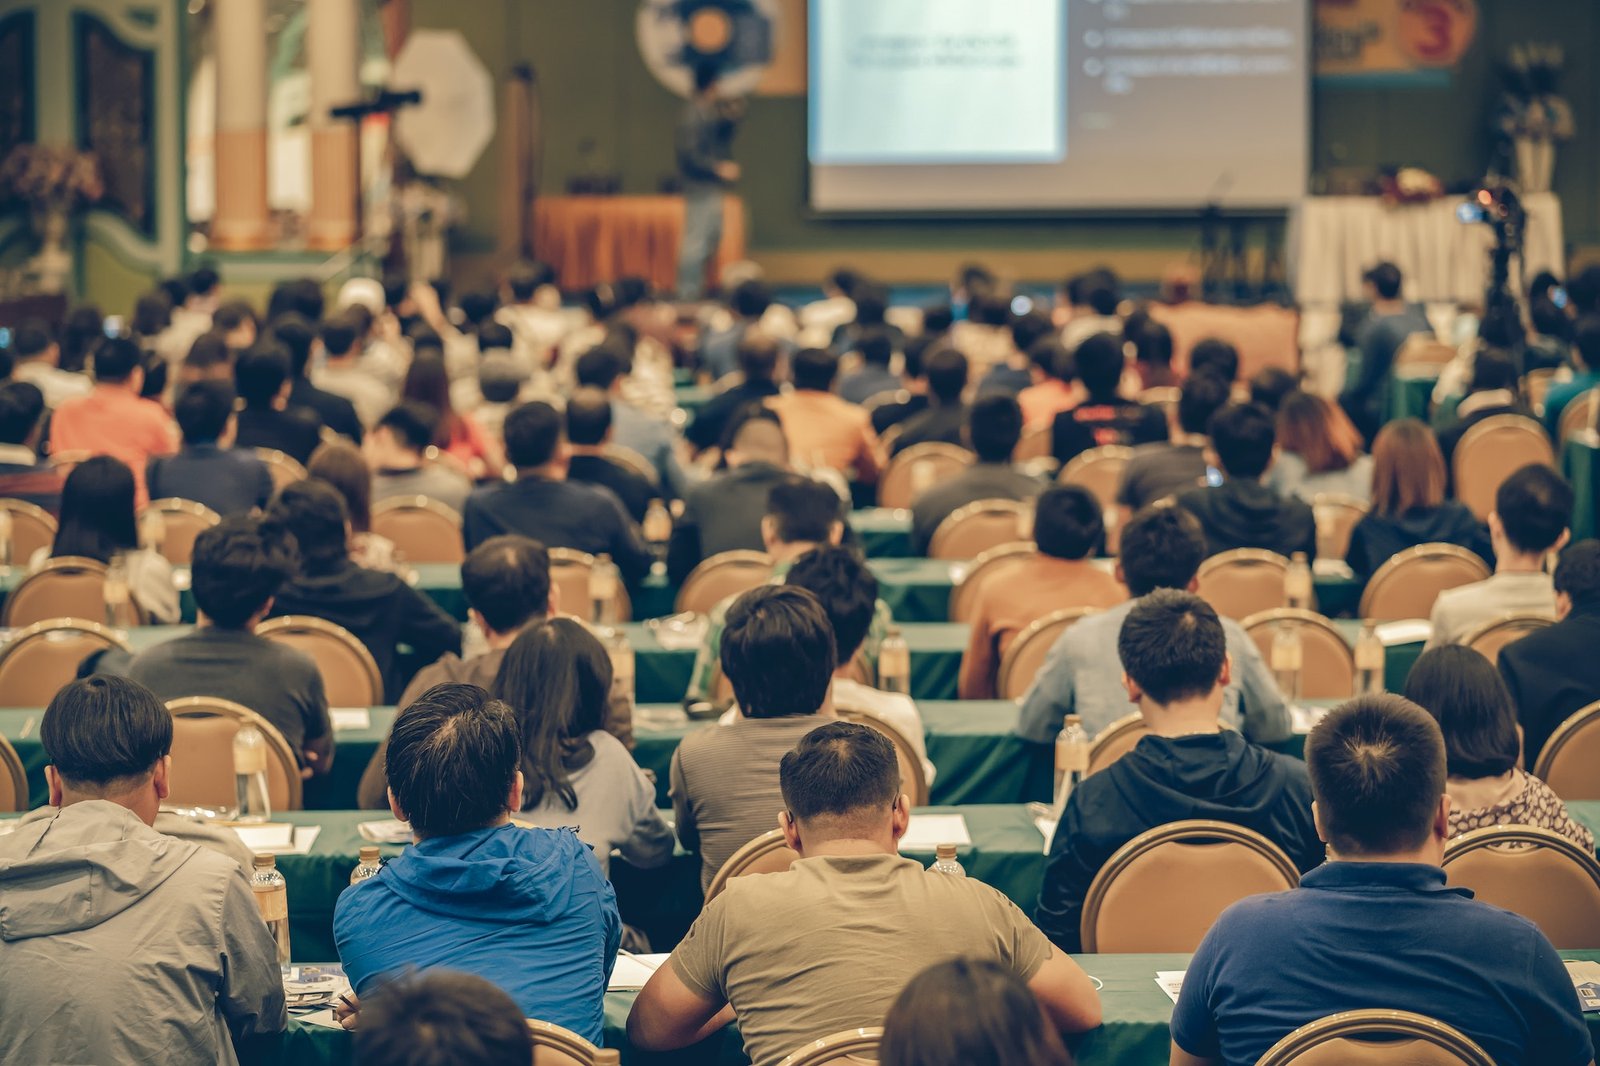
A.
pixel 875 347
pixel 152 313
pixel 1152 344
pixel 428 381
pixel 533 433
pixel 966 1011
pixel 21 408
pixel 1103 298
pixel 1243 436
pixel 203 410
pixel 1270 385
pixel 260 373
pixel 96 518
pixel 813 369
pixel 493 337
pixel 233 315
pixel 507 580
pixel 1408 470
pixel 1577 575
pixel 1318 431
pixel 1173 646
pixel 778 652
pixel 452 760
pixel 1464 693
pixel 600 367
pixel 1099 362
pixel 847 590
pixel 339 334
pixel 1161 548
pixel 1377 771
pixel 1216 355
pixel 1051 358
pixel 872 303
pixel 203 280
pixel 341 465
pixel 1583 289
pixel 1385 280
pixel 1202 396
pixel 1030 329
pixel 1549 320
pixel 757 356
pixel 238 565
pixel 588 417
pixel 750 299
pixel 115 360
pixel 843 778
pixel 946 371
pixel 556 678
pixel 527 278
pixel 1535 507
pixel 994 425
pixel 441 1018
pixel 31 338
pixel 1493 369
pixel 412 425
pixel 803 511
pixel 478 307
pixel 1586 341
pixel 315 515
pixel 208 354
pixel 296 333
pixel 1067 522
pixel 105 733
pixel 989 307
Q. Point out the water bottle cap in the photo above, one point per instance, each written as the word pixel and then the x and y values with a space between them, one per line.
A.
pixel 945 852
pixel 369 853
pixel 265 861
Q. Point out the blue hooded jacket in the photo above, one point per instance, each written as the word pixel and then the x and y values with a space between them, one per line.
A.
pixel 526 909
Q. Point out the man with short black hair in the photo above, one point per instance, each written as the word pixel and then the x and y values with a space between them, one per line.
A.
pixel 1376 927
pixel 1553 673
pixel 724 512
pixel 1390 322
pixel 824 431
pixel 828 944
pixel 527 909
pixel 1104 417
pixel 1052 391
pixel 442 1018
pixel 343 373
pixel 22 475
pixel 609 368
pixel 757 356
pixel 533 314
pixel 872 377
pixel 261 376
pixel 994 425
pixel 36 358
pixel 588 433
pixel 1217 356
pixel 1586 372
pixel 119 943
pixel 1532 510
pixel 114 418
pixel 296 333
pixel 395 449
pixel 1244 512
pixel 1156 471
pixel 1162 548
pixel 1174 655
pixel 208 468
pixel 945 419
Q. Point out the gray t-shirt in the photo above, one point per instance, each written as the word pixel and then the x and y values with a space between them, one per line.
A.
pixel 435 482
pixel 1157 471
pixel 616 808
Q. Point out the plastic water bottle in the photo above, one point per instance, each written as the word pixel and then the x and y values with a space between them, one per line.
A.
pixel 944 861
pixel 621 654
pixel 272 900
pixel 657 523
pixel 368 866
pixel 7 549
pixel 1288 657
pixel 894 663
pixel 152 530
pixel 118 596
pixel 1072 759
pixel 1297 583
pixel 603 581
pixel 1370 661
pixel 250 775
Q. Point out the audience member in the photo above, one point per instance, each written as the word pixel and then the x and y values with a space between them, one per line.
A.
pixel 1319 450
pixel 1243 512
pixel 758 365
pixel 994 425
pixel 113 419
pixel 1162 548
pixel 1217 356
pixel 122 944
pixel 528 909
pixel 343 374
pixel 724 512
pixel 1376 927
pixel 873 377
pixel 266 420
pixel 395 449
pixel 1532 508
pixel 1270 385
pixel 913 399
pixel 1586 372
pixel 1166 468
pixel 1553 673
pixel 97 522
pixel 1389 323
pixel 341 465
pixel 237 322
pixel 848 925
pixel 297 334
pixel 208 359
pixel 836 307
pixel 945 419
pixel 36 358
pixel 1152 356
pixel 1016 373
pixel 1067 531
pixel 208 468
pixel 824 431
pixel 588 432
pixel 1094 298
pixel 964 1011
pixel 631 425
pixel 1103 417
pixel 1408 502
pixel 442 1018
pixel 1495 389
pixel 456 435
pixel 747 303
pixel 22 476
pixel 81 334
pixel 871 299
pixel 238 568
pixel 1051 392
pixel 533 313
pixel 984 336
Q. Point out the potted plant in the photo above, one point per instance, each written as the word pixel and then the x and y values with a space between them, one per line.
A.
pixel 53 181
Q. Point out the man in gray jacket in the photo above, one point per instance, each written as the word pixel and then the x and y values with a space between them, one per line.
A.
pixel 117 943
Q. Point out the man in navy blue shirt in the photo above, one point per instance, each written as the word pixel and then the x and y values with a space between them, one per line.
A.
pixel 1376 926
pixel 209 469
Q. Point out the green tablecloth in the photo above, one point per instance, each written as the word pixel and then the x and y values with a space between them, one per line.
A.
pixel 1410 397
pixel 1580 464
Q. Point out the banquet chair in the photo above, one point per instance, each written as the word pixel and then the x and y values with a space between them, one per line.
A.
pixel 1243 582
pixel 1535 386
pixel 853 1047
pixel 569 573
pixel 13 780
pixel 282 467
pixel 349 673
pixel 203 728
pixel 724 574
pixel 181 522
pixel 969 531
pixel 39 660
pixel 964 593
pixel 1336 518
pixel 919 467
pixel 1165 397
pixel 1115 741
pixel 1422 356
pixel 1026 655
pixel 1328 665
pixel 1131 908
pixel 1376 1038
pixel 1100 471
pixel 69 586
pixel 32 528
pixel 1490 452
pixel 1491 637
pixel 632 461
pixel 1579 415
pixel 423 530
pixel 1567 761
pixel 768 853
pixel 1407 585
pixel 555 1046
pixel 1033 445
pixel 913 778
pixel 1536 873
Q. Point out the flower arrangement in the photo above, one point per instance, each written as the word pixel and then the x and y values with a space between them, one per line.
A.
pixel 48 176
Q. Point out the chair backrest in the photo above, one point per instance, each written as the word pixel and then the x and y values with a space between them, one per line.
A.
pixel 1407 585
pixel 1099 470
pixel 1376 1038
pixel 66 587
pixel 1023 660
pixel 970 531
pixel 1243 582
pixel 1491 637
pixel 349 673
pixel 32 528
pixel 39 660
pixel 913 778
pixel 1493 450
pixel 284 468
pixel 1033 444
pixel 569 574
pixel 1422 355
pixel 1131 906
pixel 851 1047
pixel 724 574
pixel 1336 516
pixel 964 594
pixel 555 1046
pixel 181 522
pixel 1566 762
pixel 64 462
pixel 631 460
pixel 203 728
pixel 1536 386
pixel 1536 873
pixel 423 530
pixel 1164 396
pixel 13 780
pixel 1578 415
pixel 919 467
pixel 1328 665
pixel 768 853
pixel 1115 741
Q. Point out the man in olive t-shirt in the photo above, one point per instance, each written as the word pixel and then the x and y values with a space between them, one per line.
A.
pixel 827 945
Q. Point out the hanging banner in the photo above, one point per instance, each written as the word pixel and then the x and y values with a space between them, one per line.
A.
pixel 1394 40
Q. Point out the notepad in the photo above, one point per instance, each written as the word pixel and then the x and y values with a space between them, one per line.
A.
pixel 1586 979
pixel 1047 829
pixel 928 831
pixel 385 831
pixel 1171 982
pixel 632 971
pixel 1404 631
pixel 1303 719
pixel 346 718
pixel 278 838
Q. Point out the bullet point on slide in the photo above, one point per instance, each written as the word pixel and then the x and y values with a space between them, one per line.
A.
pixel 1093 39
pixel 1093 67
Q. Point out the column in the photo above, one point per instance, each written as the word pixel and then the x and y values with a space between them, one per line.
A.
pixel 240 220
pixel 333 40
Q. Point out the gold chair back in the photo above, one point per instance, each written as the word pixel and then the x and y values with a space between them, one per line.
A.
pixel 1023 660
pixel 1422 355
pixel 569 574
pixel 853 1047
pixel 1536 386
pixel 1578 415
pixel 768 853
pixel 1407 585
pixel 203 728
pixel 1243 582
pixel 42 658
pixel 919 467
pixel 1490 638
pixel 423 530
pixel 1567 761
pixel 724 574
pixel 32 528
pixel 13 780
pixel 1163 396
pixel 1115 741
pixel 69 586
pixel 970 531
pixel 964 593
pixel 349 673
pixel 1336 516
pixel 632 461
pixel 1376 1038
pixel 283 468
pixel 181 522
pixel 1328 665
pixel 555 1046
pixel 1493 450
pixel 1536 873
pixel 1034 444
pixel 913 778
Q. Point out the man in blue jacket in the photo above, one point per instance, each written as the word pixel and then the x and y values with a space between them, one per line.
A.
pixel 527 909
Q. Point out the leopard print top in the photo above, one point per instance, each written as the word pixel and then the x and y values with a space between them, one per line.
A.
pixel 1535 805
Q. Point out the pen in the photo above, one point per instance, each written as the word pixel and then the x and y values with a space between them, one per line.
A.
pixel 640 959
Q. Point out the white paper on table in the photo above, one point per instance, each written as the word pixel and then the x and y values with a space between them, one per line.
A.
pixel 632 971
pixel 346 718
pixel 385 831
pixel 927 831
pixel 323 1017
pixel 271 839
pixel 1047 829
pixel 1171 982
pixel 1302 719
pixel 1404 631
pixel 1332 568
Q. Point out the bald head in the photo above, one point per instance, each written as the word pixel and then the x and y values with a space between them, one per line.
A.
pixel 588 417
pixel 759 440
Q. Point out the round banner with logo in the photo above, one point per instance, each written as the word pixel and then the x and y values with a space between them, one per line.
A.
pixel 735 36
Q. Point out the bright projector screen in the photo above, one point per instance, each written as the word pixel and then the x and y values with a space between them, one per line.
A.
pixel 1016 105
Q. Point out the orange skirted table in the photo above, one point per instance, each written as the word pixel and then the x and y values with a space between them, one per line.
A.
pixel 590 239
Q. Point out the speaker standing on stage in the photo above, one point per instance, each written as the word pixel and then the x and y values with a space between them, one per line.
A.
pixel 705 142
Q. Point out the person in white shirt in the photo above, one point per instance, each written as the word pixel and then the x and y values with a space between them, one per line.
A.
pixel 1092 301
pixel 534 314
pixel 37 356
pixel 342 374
pixel 1528 523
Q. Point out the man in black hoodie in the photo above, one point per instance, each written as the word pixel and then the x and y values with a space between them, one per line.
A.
pixel 1176 666
pixel 1242 512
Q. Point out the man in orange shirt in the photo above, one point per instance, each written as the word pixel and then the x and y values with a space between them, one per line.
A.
pixel 1067 528
pixel 824 431
pixel 1052 391
pixel 113 419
